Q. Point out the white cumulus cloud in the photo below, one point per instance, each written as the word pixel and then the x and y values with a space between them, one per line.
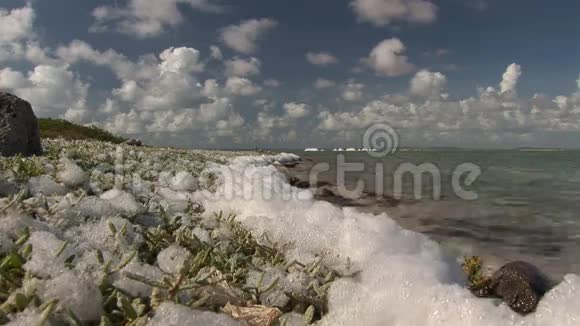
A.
pixel 388 58
pixel 384 12
pixel 51 89
pixel 216 52
pixel 352 91
pixel 16 24
pixel 241 86
pixel 296 110
pixel 322 83
pixel 510 78
pixel 321 58
pixel 146 18
pixel 428 84
pixel 245 36
pixel 242 67
pixel 180 60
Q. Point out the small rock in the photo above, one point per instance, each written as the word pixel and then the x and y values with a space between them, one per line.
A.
pixel 8 188
pixel 521 285
pixel 19 133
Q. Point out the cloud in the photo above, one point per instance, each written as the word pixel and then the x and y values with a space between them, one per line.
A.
pixel 216 118
pixel 322 83
pixel 352 91
pixel 269 125
pixel 17 37
pixel 510 78
pixel 146 18
pixel 437 53
pixel 16 24
pixel 388 59
pixel 296 110
pixel 241 86
pixel 428 84
pixel 151 83
pixel 242 68
pixel 384 12
pixel 272 83
pixel 245 36
pixel 180 60
pixel 216 52
pixel 321 58
pixel 492 118
pixel 10 79
pixel 51 90
pixel 80 51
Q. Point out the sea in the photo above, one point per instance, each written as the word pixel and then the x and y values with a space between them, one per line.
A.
pixel 517 205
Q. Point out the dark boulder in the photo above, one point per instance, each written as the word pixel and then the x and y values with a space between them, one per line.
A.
pixel 134 142
pixel 521 285
pixel 19 132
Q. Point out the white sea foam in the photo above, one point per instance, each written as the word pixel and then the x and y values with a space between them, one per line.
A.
pixel 71 174
pixel 402 277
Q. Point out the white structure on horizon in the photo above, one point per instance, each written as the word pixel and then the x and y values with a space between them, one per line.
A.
pixel 351 149
pixel 312 150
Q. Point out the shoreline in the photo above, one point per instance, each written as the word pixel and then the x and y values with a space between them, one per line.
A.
pixel 456 242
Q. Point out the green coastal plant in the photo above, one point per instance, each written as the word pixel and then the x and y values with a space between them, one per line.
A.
pixel 22 168
pixel 473 268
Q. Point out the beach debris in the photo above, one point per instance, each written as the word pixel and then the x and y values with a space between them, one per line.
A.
pixel 171 314
pixel 19 133
pixel 254 315
pixel 134 142
pixel 519 284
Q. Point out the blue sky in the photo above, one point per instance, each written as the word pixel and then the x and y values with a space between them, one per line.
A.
pixel 431 70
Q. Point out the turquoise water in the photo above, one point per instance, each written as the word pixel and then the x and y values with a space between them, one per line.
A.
pixel 527 208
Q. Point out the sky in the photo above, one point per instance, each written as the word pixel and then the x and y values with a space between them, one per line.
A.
pixel 301 73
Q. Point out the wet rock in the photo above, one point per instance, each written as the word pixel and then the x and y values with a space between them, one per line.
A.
pixel 521 285
pixel 19 132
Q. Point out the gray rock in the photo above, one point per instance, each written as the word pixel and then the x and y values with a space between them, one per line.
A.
pixel 19 132
pixel 521 285
pixel 8 188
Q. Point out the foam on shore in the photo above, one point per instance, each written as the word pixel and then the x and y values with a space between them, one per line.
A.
pixel 399 277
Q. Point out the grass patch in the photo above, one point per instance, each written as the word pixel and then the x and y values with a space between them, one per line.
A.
pixel 58 128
